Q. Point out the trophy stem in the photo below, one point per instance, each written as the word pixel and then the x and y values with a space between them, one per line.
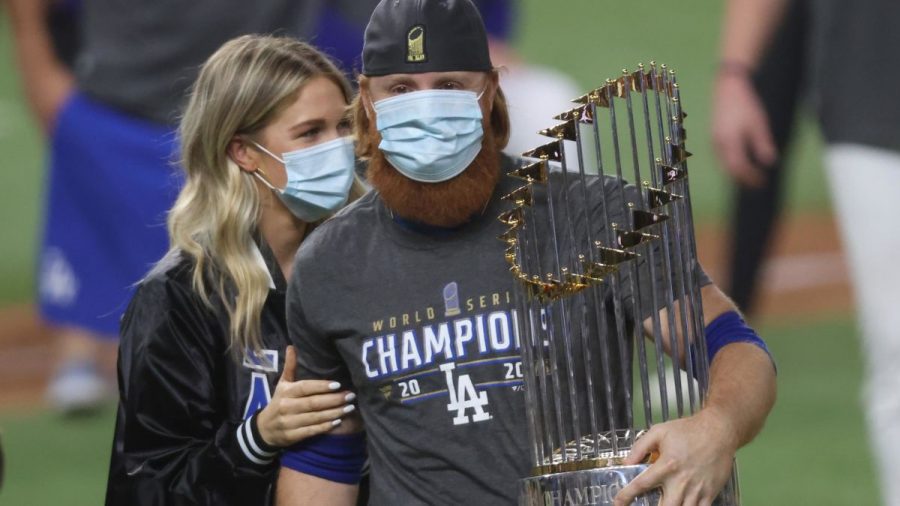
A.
pixel 675 225
pixel 668 273
pixel 599 303
pixel 637 332
pixel 651 262
pixel 558 270
pixel 696 308
pixel 615 289
pixel 574 247
pixel 535 427
pixel 554 436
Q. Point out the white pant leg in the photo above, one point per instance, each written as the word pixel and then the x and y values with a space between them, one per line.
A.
pixel 865 183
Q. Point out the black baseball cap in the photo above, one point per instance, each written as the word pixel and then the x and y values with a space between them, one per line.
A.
pixel 416 36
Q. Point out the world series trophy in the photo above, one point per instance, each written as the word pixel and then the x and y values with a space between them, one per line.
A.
pixel 608 290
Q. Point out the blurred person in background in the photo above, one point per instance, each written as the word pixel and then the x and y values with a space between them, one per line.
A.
pixel 759 176
pixel 534 93
pixel 46 42
pixel 267 156
pixel 854 71
pixel 112 144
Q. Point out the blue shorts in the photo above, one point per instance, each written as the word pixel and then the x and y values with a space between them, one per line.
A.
pixel 112 178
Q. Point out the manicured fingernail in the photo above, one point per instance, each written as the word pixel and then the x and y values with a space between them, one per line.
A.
pixel 336 422
pixel 348 408
pixel 349 397
pixel 334 385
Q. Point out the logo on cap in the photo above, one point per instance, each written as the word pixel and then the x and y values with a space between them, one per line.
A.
pixel 415 44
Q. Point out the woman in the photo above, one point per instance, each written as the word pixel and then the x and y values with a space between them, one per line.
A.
pixel 204 344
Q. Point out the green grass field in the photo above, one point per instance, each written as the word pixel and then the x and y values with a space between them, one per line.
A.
pixel 21 180
pixel 811 452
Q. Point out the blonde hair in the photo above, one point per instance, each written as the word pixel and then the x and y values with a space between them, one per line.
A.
pixel 241 88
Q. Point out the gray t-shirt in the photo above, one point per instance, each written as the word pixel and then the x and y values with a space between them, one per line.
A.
pixel 855 67
pixel 424 328
pixel 141 57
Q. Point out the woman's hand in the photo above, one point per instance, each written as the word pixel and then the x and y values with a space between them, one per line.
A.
pixel 302 409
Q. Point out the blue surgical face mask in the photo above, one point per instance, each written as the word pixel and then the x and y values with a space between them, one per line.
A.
pixel 318 178
pixel 432 135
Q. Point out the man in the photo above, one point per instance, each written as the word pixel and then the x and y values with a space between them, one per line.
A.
pixel 862 161
pixel 759 192
pixel 403 294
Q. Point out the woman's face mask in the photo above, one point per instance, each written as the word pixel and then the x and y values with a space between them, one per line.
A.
pixel 432 135
pixel 318 178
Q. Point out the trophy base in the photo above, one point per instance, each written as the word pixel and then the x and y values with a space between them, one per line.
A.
pixel 596 487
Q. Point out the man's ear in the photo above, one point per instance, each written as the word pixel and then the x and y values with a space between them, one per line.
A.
pixel 243 154
pixel 490 90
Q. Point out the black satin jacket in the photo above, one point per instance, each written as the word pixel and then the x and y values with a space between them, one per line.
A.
pixel 181 436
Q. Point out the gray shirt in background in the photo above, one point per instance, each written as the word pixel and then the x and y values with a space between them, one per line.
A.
pixel 142 57
pixel 855 69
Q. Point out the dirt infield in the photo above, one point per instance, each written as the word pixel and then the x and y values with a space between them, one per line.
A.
pixel 26 357
pixel 805 278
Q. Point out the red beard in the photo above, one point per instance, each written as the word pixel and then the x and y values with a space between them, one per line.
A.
pixel 446 204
